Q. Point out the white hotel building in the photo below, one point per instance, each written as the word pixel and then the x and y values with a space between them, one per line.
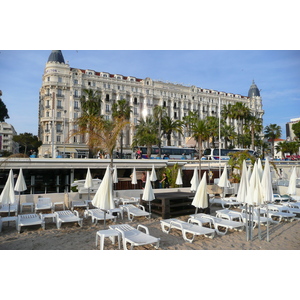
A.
pixel 59 104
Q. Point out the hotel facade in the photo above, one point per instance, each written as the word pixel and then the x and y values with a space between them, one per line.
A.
pixel 62 86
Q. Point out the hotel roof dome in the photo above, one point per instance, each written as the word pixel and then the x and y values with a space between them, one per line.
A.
pixel 56 56
pixel 253 91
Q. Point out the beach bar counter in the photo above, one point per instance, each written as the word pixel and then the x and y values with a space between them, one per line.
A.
pixel 170 204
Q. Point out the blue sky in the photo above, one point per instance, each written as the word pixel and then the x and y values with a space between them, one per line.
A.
pixel 276 73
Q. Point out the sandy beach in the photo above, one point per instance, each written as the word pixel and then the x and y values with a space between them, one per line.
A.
pixel 283 236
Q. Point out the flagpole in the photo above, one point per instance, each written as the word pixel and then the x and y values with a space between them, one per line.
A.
pixel 219 137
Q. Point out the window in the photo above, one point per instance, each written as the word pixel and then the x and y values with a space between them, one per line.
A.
pixel 59 79
pixel 75 81
pixel 58 138
pixel 58 114
pixel 107 108
pixel 76 104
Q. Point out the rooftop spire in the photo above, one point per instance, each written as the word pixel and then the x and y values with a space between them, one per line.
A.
pixel 56 56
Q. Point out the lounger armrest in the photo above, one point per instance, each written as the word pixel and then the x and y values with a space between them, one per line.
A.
pixel 75 212
pixel 177 223
pixel 144 227
pixel 141 207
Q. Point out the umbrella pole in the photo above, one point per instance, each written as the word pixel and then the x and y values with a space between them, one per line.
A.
pixel 268 237
pixel 259 229
pixel 149 209
pixel 247 227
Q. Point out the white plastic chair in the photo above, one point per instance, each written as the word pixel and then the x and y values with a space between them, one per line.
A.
pixel 67 216
pixel 217 222
pixel 185 228
pixel 29 220
pixel 44 204
pixel 135 211
pixel 135 237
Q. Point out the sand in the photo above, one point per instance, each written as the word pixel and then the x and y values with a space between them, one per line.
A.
pixel 283 236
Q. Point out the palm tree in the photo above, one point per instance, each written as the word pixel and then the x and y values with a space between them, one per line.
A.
pixel 253 125
pixel 103 134
pixel 159 112
pixel 272 132
pixel 90 107
pixel 229 134
pixel 145 134
pixel 240 112
pixel 200 133
pixel 189 120
pixel 169 126
pixel 227 113
pixel 213 128
pixel 121 108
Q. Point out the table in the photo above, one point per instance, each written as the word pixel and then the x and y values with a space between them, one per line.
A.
pixel 9 219
pixel 110 233
pixel 27 204
pixel 52 215
pixel 171 204
pixel 119 211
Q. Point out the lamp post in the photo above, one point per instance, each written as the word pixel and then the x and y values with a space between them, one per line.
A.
pixel 64 133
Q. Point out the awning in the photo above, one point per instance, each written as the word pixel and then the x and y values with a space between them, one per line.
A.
pixel 67 149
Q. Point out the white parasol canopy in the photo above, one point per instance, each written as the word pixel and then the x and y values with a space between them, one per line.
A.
pixel 266 183
pixel 8 195
pixel 194 181
pixel 148 194
pixel 88 180
pixel 254 193
pixel 103 198
pixel 224 182
pixel 133 179
pixel 260 168
pixel 115 175
pixel 200 199
pixel 244 185
pixel 20 185
pixel 153 174
pixel 179 178
pixel 292 183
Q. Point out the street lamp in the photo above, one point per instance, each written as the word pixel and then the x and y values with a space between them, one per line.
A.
pixel 64 133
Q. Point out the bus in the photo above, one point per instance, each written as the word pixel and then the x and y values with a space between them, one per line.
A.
pixel 213 154
pixel 170 152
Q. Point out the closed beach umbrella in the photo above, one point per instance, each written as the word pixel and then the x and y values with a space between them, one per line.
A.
pixel 259 168
pixel 153 174
pixel 103 198
pixel 243 187
pixel 88 181
pixel 292 183
pixel 179 178
pixel 115 175
pixel 133 179
pixel 8 195
pixel 267 189
pixel 200 199
pixel 148 194
pixel 20 185
pixel 194 181
pixel 224 182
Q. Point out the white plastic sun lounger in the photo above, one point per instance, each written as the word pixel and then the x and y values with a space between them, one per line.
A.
pixel 79 204
pixel 225 202
pixel 217 222
pixel 98 215
pixel 290 207
pixel 44 204
pixel 185 228
pixel 134 236
pixel 67 216
pixel 241 216
pixel 134 211
pixel 29 220
pixel 280 212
